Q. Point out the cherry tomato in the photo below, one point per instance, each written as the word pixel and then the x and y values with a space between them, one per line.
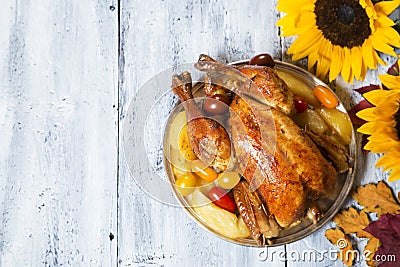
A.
pixel 185 184
pixel 222 199
pixel 263 60
pixel 300 104
pixel 325 96
pixel 216 104
pixel 228 180
pixel 203 171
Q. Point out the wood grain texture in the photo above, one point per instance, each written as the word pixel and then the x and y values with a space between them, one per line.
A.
pixel 69 71
pixel 58 163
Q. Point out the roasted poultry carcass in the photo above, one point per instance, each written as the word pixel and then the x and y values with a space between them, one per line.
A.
pixel 277 158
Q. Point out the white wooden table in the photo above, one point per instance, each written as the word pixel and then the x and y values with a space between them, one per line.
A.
pixel 68 71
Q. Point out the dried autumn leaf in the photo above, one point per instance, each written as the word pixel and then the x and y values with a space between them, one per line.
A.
pixel 377 198
pixel 387 230
pixel 352 221
pixel 370 249
pixel 346 254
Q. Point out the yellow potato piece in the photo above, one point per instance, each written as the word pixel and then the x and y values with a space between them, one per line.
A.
pixel 312 120
pixel 179 164
pixel 177 124
pixel 339 121
pixel 184 145
pixel 218 219
pixel 300 88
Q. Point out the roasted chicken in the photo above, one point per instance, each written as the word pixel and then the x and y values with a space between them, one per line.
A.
pixel 280 162
pixel 207 137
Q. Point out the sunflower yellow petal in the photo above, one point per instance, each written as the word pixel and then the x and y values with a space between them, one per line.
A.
pixel 312 59
pixel 305 21
pixel 367 114
pixel 356 62
pixel 379 147
pixel 386 7
pixel 287 23
pixel 378 59
pixel 375 96
pixel 390 81
pixel 346 70
pixel 368 56
pixel 308 49
pixel 337 62
pixel 388 36
pixel 394 175
pixel 304 40
pixel 373 126
pixel 388 161
pixel 367 128
pixel 380 45
pixel 290 6
pixel 386 111
pixel 383 21
pixel 364 70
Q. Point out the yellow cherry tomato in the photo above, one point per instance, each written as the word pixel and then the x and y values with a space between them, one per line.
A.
pixel 228 180
pixel 184 145
pixel 325 96
pixel 203 171
pixel 185 184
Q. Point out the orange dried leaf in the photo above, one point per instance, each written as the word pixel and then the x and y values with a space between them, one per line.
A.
pixel 352 221
pixel 377 198
pixel 370 249
pixel 346 254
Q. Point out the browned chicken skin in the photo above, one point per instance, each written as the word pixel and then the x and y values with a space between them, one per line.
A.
pixel 208 138
pixel 265 169
pixel 286 172
pixel 275 91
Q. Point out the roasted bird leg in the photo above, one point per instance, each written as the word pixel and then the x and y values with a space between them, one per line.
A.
pixel 262 225
pixel 260 83
pixel 209 139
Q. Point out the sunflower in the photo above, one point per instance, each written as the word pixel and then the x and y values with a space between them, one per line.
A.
pixel 340 36
pixel 383 124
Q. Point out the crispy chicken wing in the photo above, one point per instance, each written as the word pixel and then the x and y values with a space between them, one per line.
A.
pixel 258 82
pixel 208 138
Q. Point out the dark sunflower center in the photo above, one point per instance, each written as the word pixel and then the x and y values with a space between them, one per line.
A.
pixel 397 120
pixel 343 22
pixel 345 14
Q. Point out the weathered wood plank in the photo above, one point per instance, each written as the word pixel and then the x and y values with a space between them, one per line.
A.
pixel 58 127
